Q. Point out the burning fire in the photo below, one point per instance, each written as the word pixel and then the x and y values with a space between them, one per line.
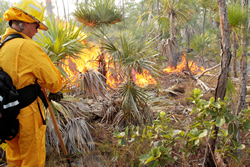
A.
pixel 83 63
pixel 145 79
pixel 87 61
pixel 182 66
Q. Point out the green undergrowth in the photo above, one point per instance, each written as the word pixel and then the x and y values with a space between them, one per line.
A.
pixel 167 145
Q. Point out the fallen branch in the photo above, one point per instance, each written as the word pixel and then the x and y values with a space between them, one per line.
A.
pixel 199 82
pixel 200 75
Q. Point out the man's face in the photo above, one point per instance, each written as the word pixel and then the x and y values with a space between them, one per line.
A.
pixel 31 29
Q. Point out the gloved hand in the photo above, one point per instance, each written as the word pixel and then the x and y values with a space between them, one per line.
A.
pixel 56 96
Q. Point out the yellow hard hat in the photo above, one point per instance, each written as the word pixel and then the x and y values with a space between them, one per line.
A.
pixel 33 8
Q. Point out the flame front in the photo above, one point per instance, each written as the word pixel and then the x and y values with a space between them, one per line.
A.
pixel 144 79
pixel 183 65
pixel 88 60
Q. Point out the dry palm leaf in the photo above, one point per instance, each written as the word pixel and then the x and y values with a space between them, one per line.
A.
pixel 77 137
pixel 91 83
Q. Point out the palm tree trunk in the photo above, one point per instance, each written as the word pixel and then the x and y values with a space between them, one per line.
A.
pixel 223 77
pixel 102 64
pixel 171 26
pixel 172 44
pixel 234 55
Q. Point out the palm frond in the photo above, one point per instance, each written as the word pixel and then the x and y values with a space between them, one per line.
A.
pixel 144 19
pixel 77 137
pixel 91 83
pixel 128 52
pixel 73 126
pixel 61 40
pixel 205 44
pixel 98 13
pixel 133 104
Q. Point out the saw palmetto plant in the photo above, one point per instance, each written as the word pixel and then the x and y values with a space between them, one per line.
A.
pixel 127 53
pixel 73 126
pixel 98 13
pixel 61 41
pixel 90 84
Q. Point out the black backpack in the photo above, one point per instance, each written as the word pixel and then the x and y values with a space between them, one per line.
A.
pixel 12 100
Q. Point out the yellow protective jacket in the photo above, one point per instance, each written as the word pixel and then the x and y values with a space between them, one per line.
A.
pixel 25 61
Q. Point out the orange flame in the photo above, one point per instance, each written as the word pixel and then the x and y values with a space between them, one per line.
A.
pixel 145 79
pixel 182 67
pixel 87 61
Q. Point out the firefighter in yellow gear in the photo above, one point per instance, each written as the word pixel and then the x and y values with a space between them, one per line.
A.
pixel 25 61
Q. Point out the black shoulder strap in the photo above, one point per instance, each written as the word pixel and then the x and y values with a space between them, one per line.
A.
pixel 11 36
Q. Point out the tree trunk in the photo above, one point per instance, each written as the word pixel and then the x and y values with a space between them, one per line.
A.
pixel 224 73
pixel 142 9
pixel 171 26
pixel 204 20
pixel 158 8
pixel 172 44
pixel 57 9
pixel 123 14
pixel 243 67
pixel 234 55
pixel 68 10
pixel 101 63
pixel 65 17
pixel 49 7
pixel 86 2
pixel 102 66
pixel 169 48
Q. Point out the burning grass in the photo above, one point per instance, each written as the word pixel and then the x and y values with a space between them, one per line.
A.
pixel 185 66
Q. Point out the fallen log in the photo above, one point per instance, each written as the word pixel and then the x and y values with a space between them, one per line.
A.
pixel 199 82
pixel 209 69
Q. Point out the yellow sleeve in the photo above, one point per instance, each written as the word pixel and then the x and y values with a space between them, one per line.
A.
pixel 42 67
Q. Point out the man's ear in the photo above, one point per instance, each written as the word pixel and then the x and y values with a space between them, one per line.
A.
pixel 21 25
